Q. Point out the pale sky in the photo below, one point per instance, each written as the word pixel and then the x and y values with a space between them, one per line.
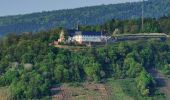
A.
pixel 13 7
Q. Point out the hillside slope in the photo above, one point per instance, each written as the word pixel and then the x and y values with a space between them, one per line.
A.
pixel 85 16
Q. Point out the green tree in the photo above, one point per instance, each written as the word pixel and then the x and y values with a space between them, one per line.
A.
pixel 145 83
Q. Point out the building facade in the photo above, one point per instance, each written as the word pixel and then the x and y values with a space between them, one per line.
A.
pixel 83 36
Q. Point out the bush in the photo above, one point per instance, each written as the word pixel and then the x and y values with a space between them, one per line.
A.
pixel 145 83
pixel 166 69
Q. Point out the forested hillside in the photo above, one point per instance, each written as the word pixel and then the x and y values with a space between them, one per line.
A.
pixel 84 16
pixel 133 26
pixel 29 67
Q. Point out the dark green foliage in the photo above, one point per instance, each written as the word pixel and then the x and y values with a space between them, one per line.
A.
pixel 145 83
pixel 85 16
pixel 31 85
pixel 166 69
pixel 8 77
pixel 165 24
pixel 128 26
pixel 133 68
pixel 29 66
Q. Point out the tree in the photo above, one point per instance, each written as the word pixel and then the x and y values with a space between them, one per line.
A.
pixel 166 69
pixel 92 71
pixel 133 68
pixel 145 83
pixel 9 77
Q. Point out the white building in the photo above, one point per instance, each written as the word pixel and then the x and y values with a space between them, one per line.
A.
pixel 85 36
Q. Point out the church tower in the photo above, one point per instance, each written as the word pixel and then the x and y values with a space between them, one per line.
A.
pixel 62 37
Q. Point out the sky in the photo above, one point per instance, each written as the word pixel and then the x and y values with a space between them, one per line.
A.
pixel 15 7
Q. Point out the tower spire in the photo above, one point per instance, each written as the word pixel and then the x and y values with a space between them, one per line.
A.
pixel 77 26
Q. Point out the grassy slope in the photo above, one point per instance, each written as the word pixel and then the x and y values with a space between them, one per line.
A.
pixel 116 91
pixel 126 90
pixel 119 89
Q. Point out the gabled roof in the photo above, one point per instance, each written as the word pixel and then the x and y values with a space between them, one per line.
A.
pixel 73 32
pixel 91 33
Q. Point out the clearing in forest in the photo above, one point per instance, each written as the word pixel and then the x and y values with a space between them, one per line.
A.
pixel 119 89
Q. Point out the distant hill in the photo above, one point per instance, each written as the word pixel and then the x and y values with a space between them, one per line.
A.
pixel 84 16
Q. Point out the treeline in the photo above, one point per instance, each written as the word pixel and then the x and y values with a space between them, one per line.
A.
pixel 133 26
pixel 29 66
pixel 84 16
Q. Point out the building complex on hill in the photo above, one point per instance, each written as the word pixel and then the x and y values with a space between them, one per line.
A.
pixel 88 37
pixel 82 36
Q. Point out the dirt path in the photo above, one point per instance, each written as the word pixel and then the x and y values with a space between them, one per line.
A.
pixel 162 81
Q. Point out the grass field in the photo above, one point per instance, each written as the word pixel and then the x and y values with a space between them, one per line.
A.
pixel 121 89
pixel 4 93
pixel 125 89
